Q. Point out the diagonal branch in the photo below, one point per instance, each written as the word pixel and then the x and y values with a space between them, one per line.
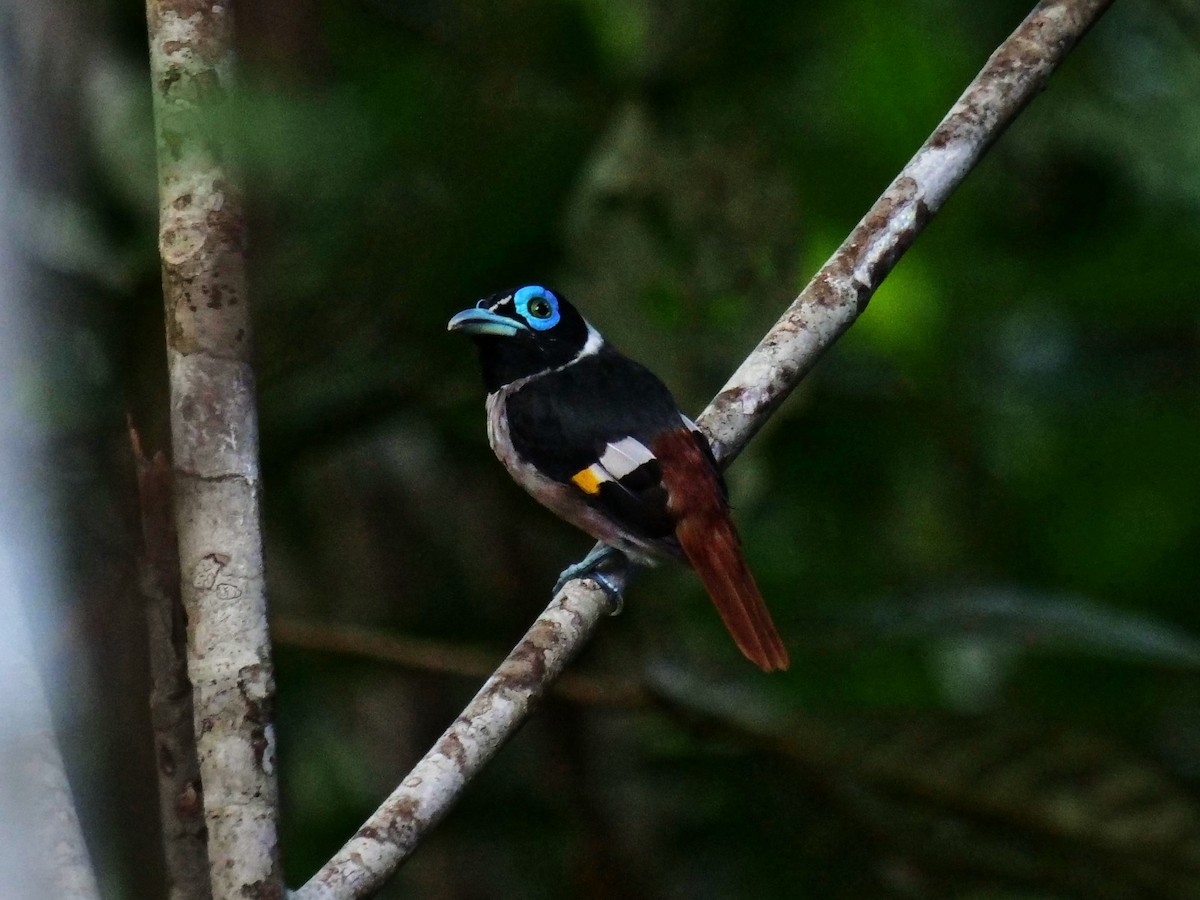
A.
pixel 839 292
pixel 834 298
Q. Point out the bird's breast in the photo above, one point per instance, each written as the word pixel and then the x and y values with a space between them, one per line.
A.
pixel 545 490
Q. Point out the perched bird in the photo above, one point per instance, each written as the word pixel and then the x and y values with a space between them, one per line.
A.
pixel 599 440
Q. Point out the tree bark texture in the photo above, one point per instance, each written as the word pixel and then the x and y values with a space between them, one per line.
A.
pixel 215 445
pixel 826 307
pixel 502 704
pixel 836 296
pixel 180 795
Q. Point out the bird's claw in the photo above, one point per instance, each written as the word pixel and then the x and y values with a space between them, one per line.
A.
pixel 590 567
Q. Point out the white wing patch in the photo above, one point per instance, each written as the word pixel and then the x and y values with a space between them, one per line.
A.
pixel 618 460
pixel 623 456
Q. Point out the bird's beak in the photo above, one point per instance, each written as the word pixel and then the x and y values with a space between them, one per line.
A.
pixel 484 321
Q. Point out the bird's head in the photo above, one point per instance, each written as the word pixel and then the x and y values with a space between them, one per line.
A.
pixel 525 332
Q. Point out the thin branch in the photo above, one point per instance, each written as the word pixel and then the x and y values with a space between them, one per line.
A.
pixel 214 430
pixel 443 658
pixel 180 796
pixel 837 295
pixel 502 705
pixel 861 760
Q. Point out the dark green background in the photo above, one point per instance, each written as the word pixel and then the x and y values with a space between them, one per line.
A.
pixel 976 522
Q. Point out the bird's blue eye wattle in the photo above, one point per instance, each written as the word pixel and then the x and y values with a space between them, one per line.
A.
pixel 537 306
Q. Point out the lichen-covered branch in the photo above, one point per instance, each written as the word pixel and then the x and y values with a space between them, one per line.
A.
pixel 823 311
pixel 426 795
pixel 180 795
pixel 839 292
pixel 214 434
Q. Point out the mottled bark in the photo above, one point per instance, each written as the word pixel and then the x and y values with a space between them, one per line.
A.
pixel 820 314
pixel 426 795
pixel 839 292
pixel 215 445
pixel 448 658
pixel 180 796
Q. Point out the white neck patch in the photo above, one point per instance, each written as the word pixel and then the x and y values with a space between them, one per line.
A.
pixel 591 347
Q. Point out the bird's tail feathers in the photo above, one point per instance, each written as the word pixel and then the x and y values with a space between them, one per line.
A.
pixel 710 541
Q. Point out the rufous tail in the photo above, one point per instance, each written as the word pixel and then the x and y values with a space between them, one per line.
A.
pixel 710 541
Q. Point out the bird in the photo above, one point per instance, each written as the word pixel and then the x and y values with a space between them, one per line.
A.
pixel 599 440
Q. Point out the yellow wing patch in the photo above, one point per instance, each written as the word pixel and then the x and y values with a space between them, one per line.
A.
pixel 586 480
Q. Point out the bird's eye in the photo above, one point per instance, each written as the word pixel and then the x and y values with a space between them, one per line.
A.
pixel 537 306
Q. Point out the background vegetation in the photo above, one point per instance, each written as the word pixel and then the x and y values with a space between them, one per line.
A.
pixel 976 523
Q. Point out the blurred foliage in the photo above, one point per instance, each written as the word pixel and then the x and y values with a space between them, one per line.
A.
pixel 976 523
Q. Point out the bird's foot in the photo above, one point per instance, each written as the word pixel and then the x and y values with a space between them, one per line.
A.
pixel 592 566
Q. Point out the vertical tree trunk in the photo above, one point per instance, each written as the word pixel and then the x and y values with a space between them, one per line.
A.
pixel 180 794
pixel 215 443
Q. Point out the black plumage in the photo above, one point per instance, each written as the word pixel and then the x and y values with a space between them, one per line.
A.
pixel 563 422
pixel 598 439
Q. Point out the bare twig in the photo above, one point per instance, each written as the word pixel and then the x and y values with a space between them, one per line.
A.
pixel 443 658
pixel 180 797
pixel 215 442
pixel 823 311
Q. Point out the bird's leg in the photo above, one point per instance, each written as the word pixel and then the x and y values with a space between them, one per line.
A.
pixel 601 557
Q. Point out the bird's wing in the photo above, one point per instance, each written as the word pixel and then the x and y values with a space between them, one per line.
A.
pixel 610 428
pixel 591 425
